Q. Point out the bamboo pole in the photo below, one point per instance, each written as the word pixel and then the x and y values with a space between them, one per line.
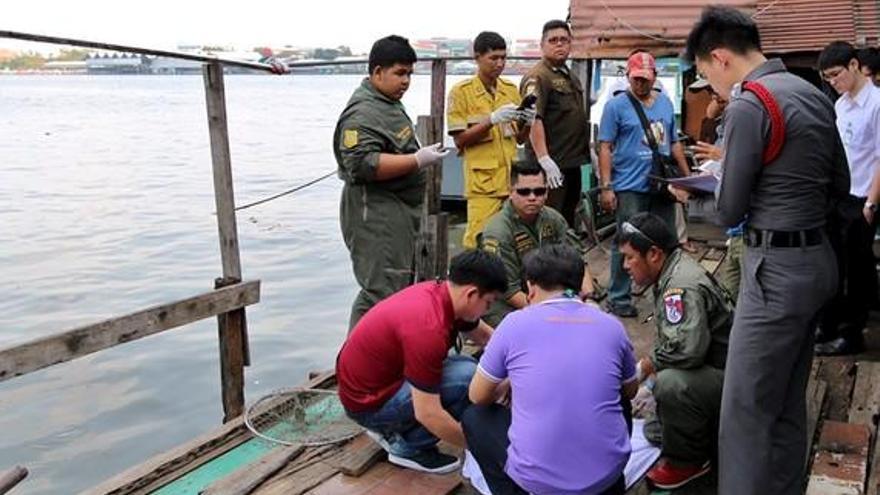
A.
pixel 231 326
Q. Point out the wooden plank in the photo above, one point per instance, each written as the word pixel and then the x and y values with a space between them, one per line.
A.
pixel 12 477
pixel 300 476
pixel 340 484
pixel 431 245
pixel 168 466
pixel 244 479
pixel 358 456
pixel 839 373
pixel 865 406
pixel 233 340
pixel 438 98
pixel 865 397
pixel 47 351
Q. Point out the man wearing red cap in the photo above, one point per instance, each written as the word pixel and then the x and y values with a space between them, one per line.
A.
pixel 626 161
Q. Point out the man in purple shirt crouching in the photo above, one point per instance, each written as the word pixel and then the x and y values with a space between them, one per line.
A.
pixel 566 365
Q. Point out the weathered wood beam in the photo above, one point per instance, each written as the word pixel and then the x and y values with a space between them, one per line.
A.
pixel 47 351
pixel 12 477
pixel 233 326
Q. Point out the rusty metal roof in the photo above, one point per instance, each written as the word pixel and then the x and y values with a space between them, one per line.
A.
pixel 809 25
pixel 613 28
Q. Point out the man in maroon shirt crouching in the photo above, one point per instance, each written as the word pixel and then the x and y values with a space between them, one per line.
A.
pixel 396 376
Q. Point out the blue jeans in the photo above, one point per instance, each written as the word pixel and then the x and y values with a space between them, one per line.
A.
pixel 628 204
pixel 396 419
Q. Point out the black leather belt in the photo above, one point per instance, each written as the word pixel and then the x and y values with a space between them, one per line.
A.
pixel 784 238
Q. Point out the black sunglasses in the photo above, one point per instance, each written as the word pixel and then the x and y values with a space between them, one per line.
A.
pixel 525 191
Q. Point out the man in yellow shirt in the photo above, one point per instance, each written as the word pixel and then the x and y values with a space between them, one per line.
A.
pixel 484 121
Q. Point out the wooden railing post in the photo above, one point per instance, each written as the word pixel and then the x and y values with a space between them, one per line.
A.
pixel 12 477
pixel 232 325
pixel 432 249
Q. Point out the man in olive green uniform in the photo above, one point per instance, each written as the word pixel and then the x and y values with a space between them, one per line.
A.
pixel 693 315
pixel 382 165
pixel 558 140
pixel 522 225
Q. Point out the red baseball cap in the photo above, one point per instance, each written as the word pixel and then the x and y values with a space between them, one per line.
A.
pixel 641 65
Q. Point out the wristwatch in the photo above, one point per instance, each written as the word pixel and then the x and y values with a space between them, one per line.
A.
pixel 605 187
pixel 871 206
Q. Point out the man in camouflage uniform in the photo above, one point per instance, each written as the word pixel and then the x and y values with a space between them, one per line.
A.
pixel 693 315
pixel 522 225
pixel 382 165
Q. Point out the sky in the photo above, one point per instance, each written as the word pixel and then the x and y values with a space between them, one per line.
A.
pixel 166 24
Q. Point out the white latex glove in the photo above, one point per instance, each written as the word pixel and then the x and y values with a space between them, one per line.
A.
pixel 505 113
pixel 527 115
pixel 428 155
pixel 554 176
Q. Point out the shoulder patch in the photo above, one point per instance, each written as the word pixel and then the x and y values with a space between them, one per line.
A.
pixel 673 292
pixel 490 245
pixel 350 138
pixel 404 133
pixel 530 87
pixel 674 306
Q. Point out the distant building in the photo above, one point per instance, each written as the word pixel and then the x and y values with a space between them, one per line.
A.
pixel 116 63
pixel 66 67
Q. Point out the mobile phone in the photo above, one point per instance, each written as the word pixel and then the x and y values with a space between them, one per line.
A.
pixel 528 102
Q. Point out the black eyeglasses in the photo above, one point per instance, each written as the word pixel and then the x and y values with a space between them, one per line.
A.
pixel 629 228
pixel 525 191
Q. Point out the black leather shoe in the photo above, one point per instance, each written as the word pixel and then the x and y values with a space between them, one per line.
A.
pixel 839 347
pixel 628 311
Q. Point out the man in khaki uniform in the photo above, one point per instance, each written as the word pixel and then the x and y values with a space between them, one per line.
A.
pixel 484 121
pixel 522 225
pixel 559 137
pixel 382 165
pixel 693 315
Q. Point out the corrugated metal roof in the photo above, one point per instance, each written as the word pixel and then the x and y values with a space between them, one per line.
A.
pixel 613 28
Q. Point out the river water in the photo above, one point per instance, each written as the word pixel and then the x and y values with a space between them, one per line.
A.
pixel 106 207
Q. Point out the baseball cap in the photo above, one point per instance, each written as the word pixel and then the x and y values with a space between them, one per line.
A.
pixel 641 64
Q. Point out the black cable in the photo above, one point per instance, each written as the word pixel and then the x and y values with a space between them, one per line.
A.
pixel 285 193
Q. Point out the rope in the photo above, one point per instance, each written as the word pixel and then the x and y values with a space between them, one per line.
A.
pixel 285 193
pixel 631 27
pixel 771 4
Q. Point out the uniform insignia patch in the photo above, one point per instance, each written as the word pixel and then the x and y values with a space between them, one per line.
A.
pixel 560 84
pixel 531 87
pixel 674 308
pixel 490 246
pixel 350 138
pixel 548 233
pixel 404 134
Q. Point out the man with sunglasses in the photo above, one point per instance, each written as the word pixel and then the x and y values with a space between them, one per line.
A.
pixel 558 140
pixel 693 315
pixel 858 122
pixel 523 225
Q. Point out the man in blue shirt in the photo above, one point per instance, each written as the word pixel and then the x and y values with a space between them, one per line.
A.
pixel 625 162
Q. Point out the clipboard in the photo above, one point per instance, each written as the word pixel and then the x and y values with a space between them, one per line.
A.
pixel 704 184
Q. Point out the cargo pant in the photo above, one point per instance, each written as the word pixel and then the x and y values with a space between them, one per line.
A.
pixel 688 407
pixel 763 434
pixel 380 233
pixel 730 271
